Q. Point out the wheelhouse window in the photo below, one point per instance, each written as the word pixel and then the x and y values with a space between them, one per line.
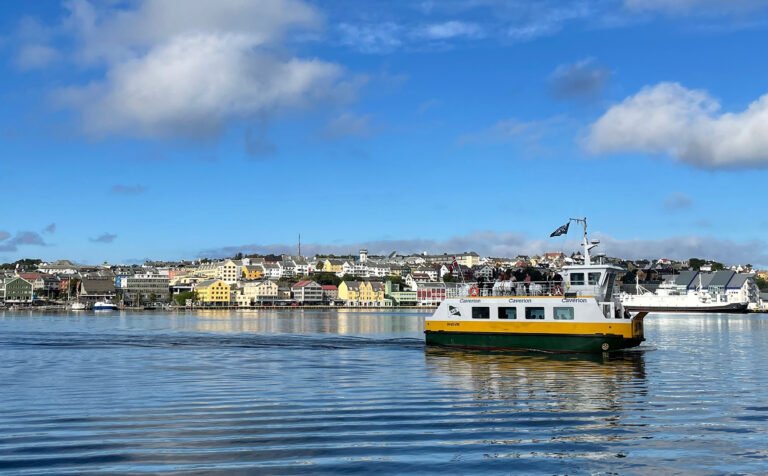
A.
pixel 593 279
pixel 534 313
pixel 563 313
pixel 481 313
pixel 507 313
pixel 577 279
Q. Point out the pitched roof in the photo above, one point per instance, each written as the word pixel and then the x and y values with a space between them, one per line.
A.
pixel 738 281
pixel 721 278
pixel 329 287
pixel 304 284
pixel 686 278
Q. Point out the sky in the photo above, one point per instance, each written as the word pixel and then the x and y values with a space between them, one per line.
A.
pixel 181 129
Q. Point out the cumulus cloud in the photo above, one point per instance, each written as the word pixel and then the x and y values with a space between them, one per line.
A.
pixel 187 68
pixel 22 238
pixel 103 238
pixel 511 244
pixel 120 189
pixel 678 201
pixel 685 124
pixel 584 79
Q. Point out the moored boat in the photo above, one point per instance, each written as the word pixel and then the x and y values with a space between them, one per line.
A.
pixel 104 306
pixel 581 313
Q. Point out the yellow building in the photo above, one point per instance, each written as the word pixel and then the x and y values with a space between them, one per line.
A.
pixel 362 293
pixel 213 292
pixel 253 272
pixel 332 266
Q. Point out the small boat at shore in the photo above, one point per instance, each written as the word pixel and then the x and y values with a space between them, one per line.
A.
pixel 104 306
pixel 77 306
pixel 583 313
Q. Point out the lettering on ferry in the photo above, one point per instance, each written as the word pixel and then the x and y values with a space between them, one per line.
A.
pixel 469 300
pixel 574 300
pixel 520 300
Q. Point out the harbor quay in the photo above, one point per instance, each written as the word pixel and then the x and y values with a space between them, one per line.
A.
pixel 363 281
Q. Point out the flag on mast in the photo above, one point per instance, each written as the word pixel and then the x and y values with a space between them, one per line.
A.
pixel 561 230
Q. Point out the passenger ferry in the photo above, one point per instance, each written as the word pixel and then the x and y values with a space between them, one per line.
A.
pixel 583 313
pixel 104 306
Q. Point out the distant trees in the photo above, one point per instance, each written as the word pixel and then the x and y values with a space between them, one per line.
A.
pixel 762 283
pixel 181 298
pixel 326 279
pixel 697 263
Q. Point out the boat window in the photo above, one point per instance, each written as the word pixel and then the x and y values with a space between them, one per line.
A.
pixel 577 279
pixel 534 313
pixel 564 313
pixel 481 313
pixel 594 278
pixel 507 313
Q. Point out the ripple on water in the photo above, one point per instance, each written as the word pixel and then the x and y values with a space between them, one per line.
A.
pixel 107 396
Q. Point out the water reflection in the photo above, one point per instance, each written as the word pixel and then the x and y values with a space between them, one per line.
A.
pixel 564 382
pixel 341 322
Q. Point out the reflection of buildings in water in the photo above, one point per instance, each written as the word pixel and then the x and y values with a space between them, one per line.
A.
pixel 300 321
pixel 543 382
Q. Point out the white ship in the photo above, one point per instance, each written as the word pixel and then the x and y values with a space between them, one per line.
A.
pixel 692 291
pixel 104 306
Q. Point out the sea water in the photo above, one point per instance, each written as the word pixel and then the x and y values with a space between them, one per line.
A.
pixel 339 391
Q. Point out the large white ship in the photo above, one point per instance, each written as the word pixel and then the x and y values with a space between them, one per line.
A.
pixel 692 291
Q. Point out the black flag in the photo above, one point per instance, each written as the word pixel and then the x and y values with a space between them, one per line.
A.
pixel 561 231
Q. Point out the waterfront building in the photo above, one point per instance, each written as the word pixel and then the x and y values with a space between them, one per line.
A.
pixel 141 288
pixel 307 292
pixel 398 297
pixel 213 292
pixel 330 293
pixel 97 288
pixel 362 293
pixel 18 289
pixel 258 292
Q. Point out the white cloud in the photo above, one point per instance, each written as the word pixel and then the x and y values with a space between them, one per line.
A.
pixel 685 124
pixel 189 67
pixel 451 29
pixel 372 38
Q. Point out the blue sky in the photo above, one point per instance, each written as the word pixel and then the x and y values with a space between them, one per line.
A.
pixel 171 129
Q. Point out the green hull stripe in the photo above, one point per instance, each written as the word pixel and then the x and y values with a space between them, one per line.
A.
pixel 543 342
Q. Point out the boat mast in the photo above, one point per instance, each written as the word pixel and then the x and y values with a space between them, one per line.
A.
pixel 585 242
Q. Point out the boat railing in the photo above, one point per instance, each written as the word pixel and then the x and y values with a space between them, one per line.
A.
pixel 522 288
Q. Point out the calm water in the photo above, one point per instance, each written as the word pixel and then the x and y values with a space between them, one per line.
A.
pixel 316 392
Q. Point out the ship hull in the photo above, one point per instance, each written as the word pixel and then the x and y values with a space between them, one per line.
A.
pixel 558 343
pixel 732 308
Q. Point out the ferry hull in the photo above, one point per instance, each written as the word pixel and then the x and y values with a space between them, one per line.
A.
pixel 559 343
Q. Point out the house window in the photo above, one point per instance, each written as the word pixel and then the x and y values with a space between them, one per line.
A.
pixel 481 313
pixel 564 313
pixel 577 279
pixel 507 313
pixel 534 313
pixel 593 278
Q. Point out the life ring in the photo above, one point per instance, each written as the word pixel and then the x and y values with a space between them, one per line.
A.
pixel 474 291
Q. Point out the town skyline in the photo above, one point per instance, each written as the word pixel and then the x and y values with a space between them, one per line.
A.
pixel 173 130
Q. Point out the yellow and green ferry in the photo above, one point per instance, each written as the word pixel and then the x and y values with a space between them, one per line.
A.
pixel 581 312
